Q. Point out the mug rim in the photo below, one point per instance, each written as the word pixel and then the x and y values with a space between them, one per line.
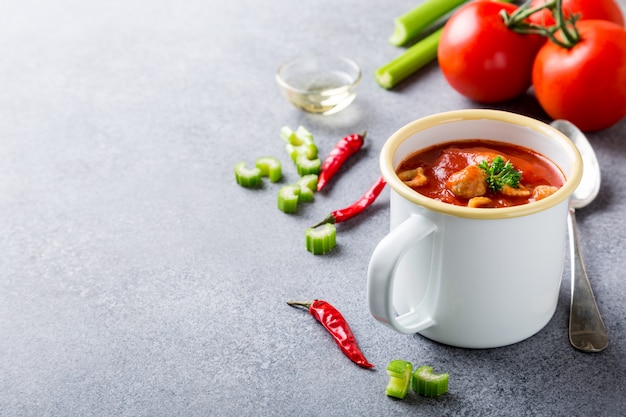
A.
pixel 396 139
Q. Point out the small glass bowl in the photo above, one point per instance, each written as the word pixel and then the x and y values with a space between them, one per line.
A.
pixel 323 84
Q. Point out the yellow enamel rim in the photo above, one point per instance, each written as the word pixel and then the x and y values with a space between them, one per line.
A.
pixel 391 146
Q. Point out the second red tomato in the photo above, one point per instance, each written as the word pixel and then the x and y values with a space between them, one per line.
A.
pixel 483 59
pixel 586 9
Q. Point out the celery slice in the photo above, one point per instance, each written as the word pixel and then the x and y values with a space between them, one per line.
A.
pixel 322 239
pixel 304 135
pixel 247 177
pixel 399 373
pixel 306 166
pixel 414 58
pixel 308 150
pixel 306 195
pixel 288 198
pixel 412 23
pixel 288 134
pixel 270 167
pixel 308 186
pixel 309 181
pixel 428 384
pixel 303 152
pixel 297 138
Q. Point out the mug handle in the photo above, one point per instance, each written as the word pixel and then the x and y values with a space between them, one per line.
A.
pixel 381 272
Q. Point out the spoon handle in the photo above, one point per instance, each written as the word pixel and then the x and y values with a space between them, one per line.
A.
pixel 586 328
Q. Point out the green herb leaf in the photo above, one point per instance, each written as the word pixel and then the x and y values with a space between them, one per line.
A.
pixel 500 173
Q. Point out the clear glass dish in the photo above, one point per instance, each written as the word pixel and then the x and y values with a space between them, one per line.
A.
pixel 323 84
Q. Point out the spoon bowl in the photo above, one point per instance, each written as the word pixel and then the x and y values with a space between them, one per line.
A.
pixel 589 185
pixel 586 328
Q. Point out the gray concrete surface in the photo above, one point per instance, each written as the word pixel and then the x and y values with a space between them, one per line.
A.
pixel 136 277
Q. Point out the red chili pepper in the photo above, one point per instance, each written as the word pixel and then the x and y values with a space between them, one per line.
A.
pixel 338 155
pixel 358 206
pixel 337 326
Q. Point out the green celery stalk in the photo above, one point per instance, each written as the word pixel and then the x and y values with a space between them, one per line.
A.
pixel 414 58
pixel 411 24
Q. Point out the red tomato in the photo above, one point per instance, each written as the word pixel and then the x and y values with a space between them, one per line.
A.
pixel 587 83
pixel 588 9
pixel 483 59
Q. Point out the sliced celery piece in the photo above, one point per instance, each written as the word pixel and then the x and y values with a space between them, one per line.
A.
pixel 302 150
pixel 247 177
pixel 288 198
pixel 309 181
pixel 306 166
pixel 308 150
pixel 428 384
pixel 304 135
pixel 288 134
pixel 308 186
pixel 306 195
pixel 322 239
pixel 270 167
pixel 399 373
pixel 297 138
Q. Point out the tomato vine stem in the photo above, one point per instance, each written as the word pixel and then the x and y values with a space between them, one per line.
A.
pixel 516 21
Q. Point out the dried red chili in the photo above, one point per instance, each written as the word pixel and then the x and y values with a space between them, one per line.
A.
pixel 358 206
pixel 338 155
pixel 337 326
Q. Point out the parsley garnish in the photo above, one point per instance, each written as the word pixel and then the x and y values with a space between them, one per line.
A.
pixel 500 173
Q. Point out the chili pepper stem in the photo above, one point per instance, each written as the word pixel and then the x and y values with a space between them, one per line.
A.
pixel 328 219
pixel 305 304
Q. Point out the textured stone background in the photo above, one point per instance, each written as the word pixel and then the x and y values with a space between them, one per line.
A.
pixel 136 277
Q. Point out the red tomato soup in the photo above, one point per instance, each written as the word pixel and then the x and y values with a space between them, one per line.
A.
pixel 481 173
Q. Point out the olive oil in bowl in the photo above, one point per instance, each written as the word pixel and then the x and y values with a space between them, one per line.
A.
pixel 320 84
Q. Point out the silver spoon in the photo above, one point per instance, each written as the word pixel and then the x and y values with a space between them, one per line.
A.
pixel 586 328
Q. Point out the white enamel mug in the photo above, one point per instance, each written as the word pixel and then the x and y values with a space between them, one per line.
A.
pixel 471 277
